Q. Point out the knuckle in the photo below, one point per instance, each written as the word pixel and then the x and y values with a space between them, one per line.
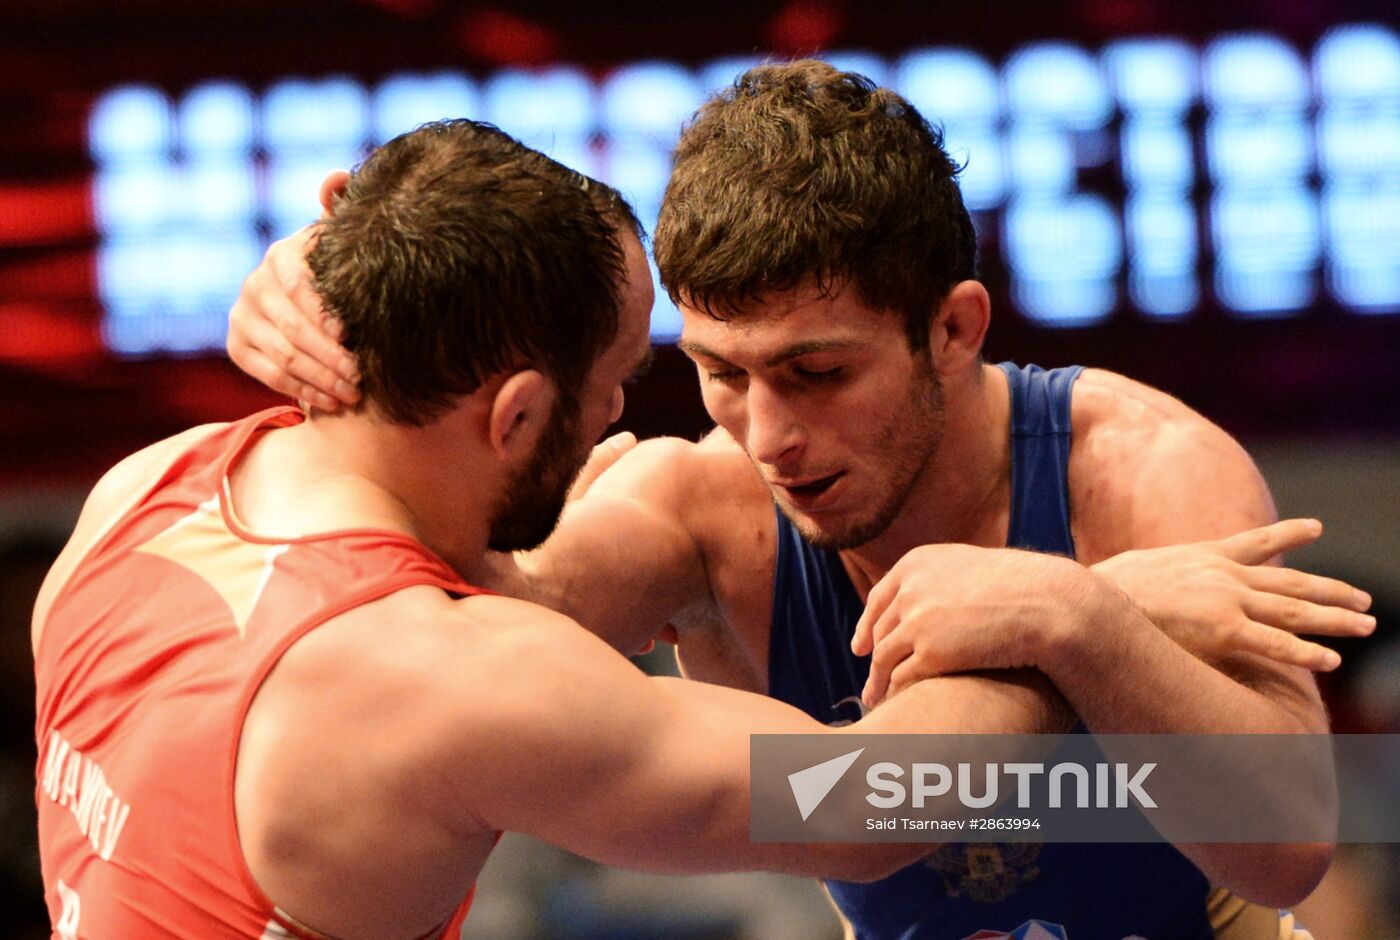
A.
pixel 285 358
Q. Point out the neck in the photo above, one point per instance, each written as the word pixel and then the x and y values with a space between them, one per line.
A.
pixel 963 493
pixel 357 470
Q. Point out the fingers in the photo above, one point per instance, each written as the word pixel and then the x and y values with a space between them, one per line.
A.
pixel 1308 587
pixel 908 672
pixel 262 352
pixel 276 334
pixel 606 453
pixel 276 343
pixel 272 375
pixel 1256 546
pixel 292 304
pixel 1301 616
pixel 1286 648
pixel 888 654
pixel 313 331
pixel 876 602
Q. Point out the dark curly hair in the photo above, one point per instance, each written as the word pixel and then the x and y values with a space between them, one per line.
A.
pixel 802 173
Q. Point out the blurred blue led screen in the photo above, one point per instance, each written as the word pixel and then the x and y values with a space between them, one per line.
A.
pixel 1143 179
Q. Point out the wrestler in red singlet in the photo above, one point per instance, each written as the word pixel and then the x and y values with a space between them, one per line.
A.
pixel 150 658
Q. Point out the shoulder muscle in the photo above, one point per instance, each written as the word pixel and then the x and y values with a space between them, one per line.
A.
pixel 1146 470
pixel 114 495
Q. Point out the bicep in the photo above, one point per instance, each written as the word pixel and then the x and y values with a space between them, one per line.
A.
pixel 1196 483
pixel 625 769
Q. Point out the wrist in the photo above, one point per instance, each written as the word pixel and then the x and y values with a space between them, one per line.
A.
pixel 1084 605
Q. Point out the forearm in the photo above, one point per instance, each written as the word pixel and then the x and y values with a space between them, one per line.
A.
pixel 1009 701
pixel 703 825
pixel 1134 680
pixel 1012 701
pixel 1123 676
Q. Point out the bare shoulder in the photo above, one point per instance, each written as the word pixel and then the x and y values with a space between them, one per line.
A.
pixel 683 471
pixel 440 691
pixel 111 498
pixel 729 476
pixel 709 487
pixel 1142 462
pixel 424 660
pixel 411 714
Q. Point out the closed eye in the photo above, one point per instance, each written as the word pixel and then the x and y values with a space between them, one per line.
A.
pixel 819 375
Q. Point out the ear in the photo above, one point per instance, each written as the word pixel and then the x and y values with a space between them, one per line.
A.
pixel 519 411
pixel 959 327
pixel 332 188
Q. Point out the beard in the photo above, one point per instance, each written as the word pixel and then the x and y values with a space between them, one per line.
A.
pixel 903 448
pixel 534 496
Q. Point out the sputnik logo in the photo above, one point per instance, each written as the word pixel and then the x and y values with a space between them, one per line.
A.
pixel 810 786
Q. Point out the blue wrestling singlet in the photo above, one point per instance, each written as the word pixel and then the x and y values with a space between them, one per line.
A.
pixel 1072 892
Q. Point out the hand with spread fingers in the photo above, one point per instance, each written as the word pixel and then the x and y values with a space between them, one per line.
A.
pixel 1213 598
pixel 1224 596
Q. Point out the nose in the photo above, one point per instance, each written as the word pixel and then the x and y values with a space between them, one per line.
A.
pixel 775 435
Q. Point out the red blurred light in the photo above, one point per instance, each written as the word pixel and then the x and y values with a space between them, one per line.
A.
pixel 54 276
pixel 504 38
pixel 36 214
pixel 804 27
pixel 39 334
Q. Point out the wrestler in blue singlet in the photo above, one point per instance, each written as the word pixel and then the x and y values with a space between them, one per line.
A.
pixel 1078 892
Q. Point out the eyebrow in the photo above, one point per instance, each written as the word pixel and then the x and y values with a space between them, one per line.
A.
pixel 788 352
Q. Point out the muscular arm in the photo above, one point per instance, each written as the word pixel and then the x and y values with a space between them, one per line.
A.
pixel 623 560
pixel 1151 472
pixel 1145 471
pixel 1165 475
pixel 650 773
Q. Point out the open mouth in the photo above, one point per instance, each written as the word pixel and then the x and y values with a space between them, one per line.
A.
pixel 812 488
